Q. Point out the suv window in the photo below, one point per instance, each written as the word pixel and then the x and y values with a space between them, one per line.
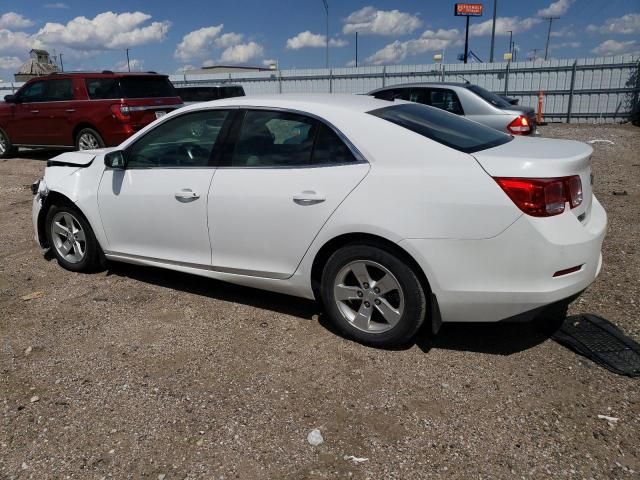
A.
pixel 59 90
pixel 103 88
pixel 34 92
pixel 456 132
pixel 184 141
pixel 204 94
pixel 272 139
pixel 147 87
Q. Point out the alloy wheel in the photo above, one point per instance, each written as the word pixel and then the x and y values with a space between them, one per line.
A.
pixel 68 237
pixel 88 141
pixel 3 144
pixel 369 296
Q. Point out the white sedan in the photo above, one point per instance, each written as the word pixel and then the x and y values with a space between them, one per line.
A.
pixel 391 213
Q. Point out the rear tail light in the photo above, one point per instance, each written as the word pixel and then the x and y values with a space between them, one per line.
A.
pixel 543 197
pixel 121 111
pixel 520 126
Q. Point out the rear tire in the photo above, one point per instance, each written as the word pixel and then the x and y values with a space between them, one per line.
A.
pixel 7 150
pixel 71 239
pixel 372 296
pixel 88 139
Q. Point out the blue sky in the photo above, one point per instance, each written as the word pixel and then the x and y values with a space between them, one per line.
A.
pixel 166 35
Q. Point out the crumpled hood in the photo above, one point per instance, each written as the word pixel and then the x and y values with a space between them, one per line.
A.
pixel 81 158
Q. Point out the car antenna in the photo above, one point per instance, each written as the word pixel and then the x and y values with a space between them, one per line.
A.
pixel 465 80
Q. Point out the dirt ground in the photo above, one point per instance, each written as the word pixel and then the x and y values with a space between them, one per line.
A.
pixel 143 373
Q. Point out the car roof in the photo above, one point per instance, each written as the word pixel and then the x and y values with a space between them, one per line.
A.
pixel 424 84
pixel 313 102
pixel 102 74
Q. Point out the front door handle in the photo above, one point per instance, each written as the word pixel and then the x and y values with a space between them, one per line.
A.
pixel 35 111
pixel 186 195
pixel 308 197
pixel 70 110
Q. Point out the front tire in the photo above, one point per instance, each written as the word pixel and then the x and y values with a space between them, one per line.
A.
pixel 372 296
pixel 88 139
pixel 7 150
pixel 71 239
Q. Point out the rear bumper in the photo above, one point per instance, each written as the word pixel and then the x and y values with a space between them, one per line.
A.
pixel 513 273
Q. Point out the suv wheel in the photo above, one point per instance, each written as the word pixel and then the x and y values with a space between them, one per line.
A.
pixel 373 296
pixel 88 139
pixel 6 149
pixel 71 239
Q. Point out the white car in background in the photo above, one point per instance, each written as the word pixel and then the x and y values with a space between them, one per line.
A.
pixel 391 213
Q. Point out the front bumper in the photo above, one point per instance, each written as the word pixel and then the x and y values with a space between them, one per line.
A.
pixel 501 277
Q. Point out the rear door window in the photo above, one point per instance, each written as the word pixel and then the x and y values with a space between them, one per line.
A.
pixel 103 88
pixel 456 132
pixel 59 90
pixel 147 87
pixel 445 99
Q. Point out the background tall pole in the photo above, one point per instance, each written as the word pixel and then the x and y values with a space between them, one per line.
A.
pixel 466 41
pixel 546 50
pixel 61 64
pixel 493 29
pixel 128 65
pixel 326 9
pixel 356 49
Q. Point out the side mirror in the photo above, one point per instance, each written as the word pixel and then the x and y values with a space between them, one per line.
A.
pixel 514 101
pixel 10 99
pixel 115 160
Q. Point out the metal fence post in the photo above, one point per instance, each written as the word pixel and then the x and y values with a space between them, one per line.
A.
pixel 571 89
pixel 384 76
pixel 331 80
pixel 279 81
pixel 443 72
pixel 506 79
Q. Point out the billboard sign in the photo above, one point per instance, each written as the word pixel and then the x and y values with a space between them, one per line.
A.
pixel 468 9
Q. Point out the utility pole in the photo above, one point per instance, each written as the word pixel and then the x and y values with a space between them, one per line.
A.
pixel 466 41
pixel 510 41
pixel 551 19
pixel 493 29
pixel 61 64
pixel 326 9
pixel 128 65
pixel 356 49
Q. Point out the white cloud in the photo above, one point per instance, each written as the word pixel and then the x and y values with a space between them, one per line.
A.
pixel 369 20
pixel 58 5
pixel 307 39
pixel 136 65
pixel 613 47
pixel 7 63
pixel 565 45
pixel 228 39
pixel 627 24
pixel 429 41
pixel 567 31
pixel 503 25
pixel 242 53
pixel 556 9
pixel 17 43
pixel 107 31
pixel 14 20
pixel 267 62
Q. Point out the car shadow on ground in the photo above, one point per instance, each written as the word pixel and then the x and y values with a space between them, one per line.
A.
pixel 490 338
pixel 42 154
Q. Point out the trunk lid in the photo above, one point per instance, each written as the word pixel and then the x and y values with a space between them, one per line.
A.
pixel 526 157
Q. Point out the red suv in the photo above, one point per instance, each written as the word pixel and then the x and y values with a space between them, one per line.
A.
pixel 83 110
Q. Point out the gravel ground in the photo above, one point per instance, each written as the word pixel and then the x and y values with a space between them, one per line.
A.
pixel 142 373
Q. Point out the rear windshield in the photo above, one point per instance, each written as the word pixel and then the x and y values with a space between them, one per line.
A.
pixel 446 128
pixel 492 98
pixel 147 87
pixel 204 94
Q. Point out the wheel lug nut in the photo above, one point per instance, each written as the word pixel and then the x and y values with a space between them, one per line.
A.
pixel 377 301
pixel 360 293
pixel 365 285
pixel 376 290
pixel 367 304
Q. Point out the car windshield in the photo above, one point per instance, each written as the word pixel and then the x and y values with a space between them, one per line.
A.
pixel 492 98
pixel 147 87
pixel 443 127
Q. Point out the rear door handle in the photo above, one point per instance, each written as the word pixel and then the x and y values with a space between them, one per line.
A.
pixel 186 194
pixel 308 197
